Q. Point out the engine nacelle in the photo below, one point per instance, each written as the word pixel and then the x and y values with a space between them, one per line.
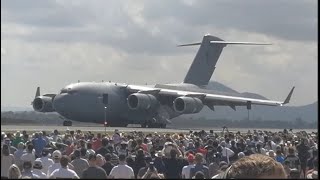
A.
pixel 142 101
pixel 187 105
pixel 43 104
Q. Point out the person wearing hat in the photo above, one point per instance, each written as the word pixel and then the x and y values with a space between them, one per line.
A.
pixel 79 163
pixel 29 156
pixel 122 171
pixel 199 166
pixel 37 169
pixel 18 154
pixel 143 170
pixel 94 171
pixel 158 162
pixel 185 174
pixel 27 171
pixel 45 160
pixel 123 148
pixel 63 171
pixel 56 156
pixel 17 139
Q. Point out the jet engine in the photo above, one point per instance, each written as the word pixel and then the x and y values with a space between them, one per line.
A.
pixel 43 104
pixel 187 105
pixel 142 101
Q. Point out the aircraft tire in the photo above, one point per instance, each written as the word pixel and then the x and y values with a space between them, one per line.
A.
pixel 143 125
pixel 67 123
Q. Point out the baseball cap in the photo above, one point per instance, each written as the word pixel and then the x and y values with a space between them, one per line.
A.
pixel 37 164
pixel 45 152
pixel 56 154
pixel 191 157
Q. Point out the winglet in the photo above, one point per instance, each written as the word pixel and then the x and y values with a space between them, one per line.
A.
pixel 289 96
pixel 37 92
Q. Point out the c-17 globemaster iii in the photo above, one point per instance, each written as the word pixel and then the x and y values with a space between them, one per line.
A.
pixel 122 104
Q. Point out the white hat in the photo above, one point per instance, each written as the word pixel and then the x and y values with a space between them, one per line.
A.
pixel 56 154
pixel 313 175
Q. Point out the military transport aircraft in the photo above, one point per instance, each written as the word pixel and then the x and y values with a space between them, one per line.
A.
pixel 122 104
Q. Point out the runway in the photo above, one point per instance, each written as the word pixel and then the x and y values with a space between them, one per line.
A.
pixel 13 128
pixel 51 128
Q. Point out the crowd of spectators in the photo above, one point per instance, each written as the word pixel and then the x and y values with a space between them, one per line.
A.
pixel 135 155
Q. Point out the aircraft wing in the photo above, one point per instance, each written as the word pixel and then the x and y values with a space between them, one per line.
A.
pixel 210 99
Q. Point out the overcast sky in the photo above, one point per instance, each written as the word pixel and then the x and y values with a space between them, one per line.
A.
pixel 53 43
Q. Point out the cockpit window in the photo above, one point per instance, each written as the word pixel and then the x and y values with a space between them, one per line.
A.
pixel 64 90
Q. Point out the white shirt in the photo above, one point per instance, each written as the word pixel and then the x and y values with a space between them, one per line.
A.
pixel 41 174
pixel 186 171
pixel 46 162
pixel 52 168
pixel 122 172
pixel 226 152
pixel 28 157
pixel 64 173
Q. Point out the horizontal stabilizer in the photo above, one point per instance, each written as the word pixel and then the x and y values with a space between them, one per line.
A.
pixel 191 44
pixel 240 43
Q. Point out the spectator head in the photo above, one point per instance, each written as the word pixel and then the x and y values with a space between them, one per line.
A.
pixel 45 152
pixel 37 164
pixel 199 158
pixel 107 157
pixel 191 158
pixel 199 175
pixel 30 148
pixel 110 148
pixel 64 161
pixel 294 174
pixel 92 158
pixel 291 150
pixel 256 166
pixel 316 163
pixel 241 155
pixel 100 160
pixel 20 145
pixel 83 152
pixel 233 143
pixel 278 153
pixel 56 155
pixel 89 145
pixel 40 134
pixel 222 163
pixel 5 150
pixel 104 142
pixel 271 153
pixel 122 158
pixel 14 172
pixel 27 165
pixel 147 160
pixel 313 175
pixel 173 153
pixel 223 144
pixel 36 135
pixel 77 153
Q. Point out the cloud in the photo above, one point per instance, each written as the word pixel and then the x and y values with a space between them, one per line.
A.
pixel 54 43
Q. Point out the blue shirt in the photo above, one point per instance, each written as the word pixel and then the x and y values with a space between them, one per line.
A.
pixel 39 144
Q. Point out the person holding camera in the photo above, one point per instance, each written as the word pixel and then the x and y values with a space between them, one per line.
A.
pixel 144 169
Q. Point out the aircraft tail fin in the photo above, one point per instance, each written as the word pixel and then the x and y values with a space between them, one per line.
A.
pixel 37 92
pixel 287 100
pixel 207 57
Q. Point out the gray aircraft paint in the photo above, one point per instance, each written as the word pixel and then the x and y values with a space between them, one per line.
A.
pixel 82 101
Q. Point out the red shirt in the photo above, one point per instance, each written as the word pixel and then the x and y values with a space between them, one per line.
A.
pixel 96 144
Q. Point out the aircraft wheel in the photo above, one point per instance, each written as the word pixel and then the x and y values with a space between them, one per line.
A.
pixel 144 125
pixel 67 123
pixel 163 125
